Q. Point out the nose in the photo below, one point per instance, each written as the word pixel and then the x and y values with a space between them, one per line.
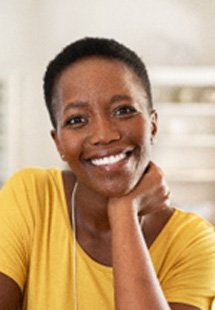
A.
pixel 103 131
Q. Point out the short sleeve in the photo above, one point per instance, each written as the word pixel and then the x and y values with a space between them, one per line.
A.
pixel 16 225
pixel 191 279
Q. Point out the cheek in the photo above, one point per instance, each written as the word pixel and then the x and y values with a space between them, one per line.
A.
pixel 71 147
pixel 141 133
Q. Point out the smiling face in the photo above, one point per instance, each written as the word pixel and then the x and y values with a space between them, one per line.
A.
pixel 104 128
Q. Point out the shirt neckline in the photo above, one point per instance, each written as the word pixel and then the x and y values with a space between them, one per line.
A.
pixel 81 251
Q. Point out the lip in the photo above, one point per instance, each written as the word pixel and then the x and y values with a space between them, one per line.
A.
pixel 107 153
pixel 110 161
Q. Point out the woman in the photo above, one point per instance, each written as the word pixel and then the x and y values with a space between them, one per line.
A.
pixel 133 250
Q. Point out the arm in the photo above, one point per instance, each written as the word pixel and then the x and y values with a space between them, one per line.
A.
pixel 135 281
pixel 16 220
pixel 136 284
pixel 10 293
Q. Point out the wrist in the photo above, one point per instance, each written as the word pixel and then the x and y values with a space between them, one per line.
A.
pixel 121 213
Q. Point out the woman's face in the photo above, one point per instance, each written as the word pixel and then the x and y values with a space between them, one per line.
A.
pixel 104 129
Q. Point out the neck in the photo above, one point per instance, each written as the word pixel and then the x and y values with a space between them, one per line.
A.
pixel 91 209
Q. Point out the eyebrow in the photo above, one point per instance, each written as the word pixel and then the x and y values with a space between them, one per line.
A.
pixel 84 104
pixel 75 105
pixel 120 98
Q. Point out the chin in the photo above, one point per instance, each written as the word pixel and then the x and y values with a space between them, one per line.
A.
pixel 117 184
pixel 115 189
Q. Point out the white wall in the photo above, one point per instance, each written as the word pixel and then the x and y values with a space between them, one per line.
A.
pixel 164 32
pixel 29 141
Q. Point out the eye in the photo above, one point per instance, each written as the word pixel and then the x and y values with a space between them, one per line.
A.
pixel 76 121
pixel 124 110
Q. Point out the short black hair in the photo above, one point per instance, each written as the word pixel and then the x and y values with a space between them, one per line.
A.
pixel 107 48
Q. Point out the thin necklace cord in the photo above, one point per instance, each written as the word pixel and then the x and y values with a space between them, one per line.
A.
pixel 73 209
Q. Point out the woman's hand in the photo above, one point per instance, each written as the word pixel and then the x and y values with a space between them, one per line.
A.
pixel 150 195
pixel 135 282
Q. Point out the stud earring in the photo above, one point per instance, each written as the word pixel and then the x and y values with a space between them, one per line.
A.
pixel 152 140
pixel 62 156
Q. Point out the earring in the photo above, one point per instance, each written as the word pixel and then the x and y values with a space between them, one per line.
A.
pixel 152 140
pixel 62 156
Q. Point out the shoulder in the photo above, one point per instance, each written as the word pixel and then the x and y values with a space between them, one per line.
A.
pixel 32 176
pixel 186 235
pixel 198 233
pixel 191 239
pixel 184 258
pixel 29 188
pixel 192 224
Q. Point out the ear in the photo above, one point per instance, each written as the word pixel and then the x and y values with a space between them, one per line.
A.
pixel 55 137
pixel 154 125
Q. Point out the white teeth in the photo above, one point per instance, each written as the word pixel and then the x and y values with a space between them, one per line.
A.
pixel 108 160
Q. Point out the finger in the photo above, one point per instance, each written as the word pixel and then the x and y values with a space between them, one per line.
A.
pixel 157 168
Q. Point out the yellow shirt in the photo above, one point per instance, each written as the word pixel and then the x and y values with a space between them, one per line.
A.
pixel 37 251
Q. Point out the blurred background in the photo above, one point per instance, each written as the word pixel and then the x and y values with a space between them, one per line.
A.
pixel 176 39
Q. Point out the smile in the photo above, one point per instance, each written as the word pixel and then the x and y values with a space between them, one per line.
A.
pixel 108 160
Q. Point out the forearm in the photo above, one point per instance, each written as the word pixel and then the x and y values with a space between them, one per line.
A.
pixel 135 282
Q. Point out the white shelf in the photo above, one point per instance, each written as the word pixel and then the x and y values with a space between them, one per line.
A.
pixel 186 109
pixel 185 147
pixel 185 76
pixel 187 140
pixel 192 176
